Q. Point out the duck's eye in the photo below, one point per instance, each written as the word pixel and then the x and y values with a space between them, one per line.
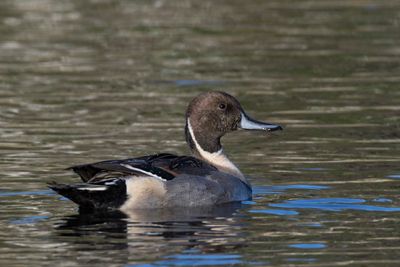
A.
pixel 222 106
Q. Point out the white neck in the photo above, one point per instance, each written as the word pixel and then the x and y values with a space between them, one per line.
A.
pixel 217 159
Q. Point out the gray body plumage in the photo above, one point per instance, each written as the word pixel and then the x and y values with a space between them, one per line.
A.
pixel 216 188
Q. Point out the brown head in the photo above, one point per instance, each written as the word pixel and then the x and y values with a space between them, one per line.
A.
pixel 211 115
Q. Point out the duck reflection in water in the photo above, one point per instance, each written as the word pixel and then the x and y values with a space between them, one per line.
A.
pixel 208 229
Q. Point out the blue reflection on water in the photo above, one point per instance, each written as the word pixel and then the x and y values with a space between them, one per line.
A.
pixel 196 82
pixel 278 189
pixel 248 202
pixel 29 219
pixel 394 176
pixel 27 193
pixel 332 204
pixel 317 225
pixel 308 245
pixel 197 260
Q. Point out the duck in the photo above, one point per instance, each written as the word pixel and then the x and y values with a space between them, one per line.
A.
pixel 161 181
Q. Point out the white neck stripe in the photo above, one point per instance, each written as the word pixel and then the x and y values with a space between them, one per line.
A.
pixel 202 152
pixel 218 159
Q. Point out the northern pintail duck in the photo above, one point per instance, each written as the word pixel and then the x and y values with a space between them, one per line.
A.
pixel 166 180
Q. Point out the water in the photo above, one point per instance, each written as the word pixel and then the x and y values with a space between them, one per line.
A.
pixel 86 81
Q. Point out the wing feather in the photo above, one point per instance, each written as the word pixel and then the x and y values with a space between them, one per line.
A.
pixel 163 166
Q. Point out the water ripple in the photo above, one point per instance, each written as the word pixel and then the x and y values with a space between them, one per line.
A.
pixel 275 212
pixel 197 260
pixel 308 245
pixel 333 204
pixel 29 219
pixel 27 193
pixel 277 189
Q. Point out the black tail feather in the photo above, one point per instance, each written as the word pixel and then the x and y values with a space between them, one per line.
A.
pixel 89 197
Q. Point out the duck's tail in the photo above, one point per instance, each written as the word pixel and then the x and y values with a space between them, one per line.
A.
pixel 93 196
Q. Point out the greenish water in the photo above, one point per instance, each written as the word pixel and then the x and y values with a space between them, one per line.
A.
pixel 82 81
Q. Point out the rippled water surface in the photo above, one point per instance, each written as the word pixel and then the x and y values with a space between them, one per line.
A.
pixel 82 81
